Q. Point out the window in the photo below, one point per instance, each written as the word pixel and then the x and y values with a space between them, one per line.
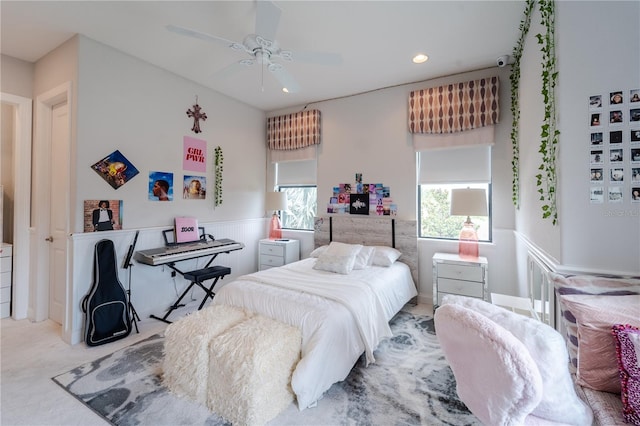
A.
pixel 440 171
pixel 435 221
pixel 301 206
pixel 298 180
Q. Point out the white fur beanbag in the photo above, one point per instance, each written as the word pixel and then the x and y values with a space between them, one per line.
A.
pixel 186 361
pixel 496 377
pixel 250 368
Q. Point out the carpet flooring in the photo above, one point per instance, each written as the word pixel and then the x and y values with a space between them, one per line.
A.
pixel 409 384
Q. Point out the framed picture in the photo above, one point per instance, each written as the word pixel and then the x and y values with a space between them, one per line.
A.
pixel 359 204
pixel 115 169
pixel 102 215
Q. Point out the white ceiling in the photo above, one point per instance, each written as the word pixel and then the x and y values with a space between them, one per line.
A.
pixel 376 40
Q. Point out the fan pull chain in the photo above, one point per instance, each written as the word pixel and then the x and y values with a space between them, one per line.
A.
pixel 262 76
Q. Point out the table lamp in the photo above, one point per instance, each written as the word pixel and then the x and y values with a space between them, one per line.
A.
pixel 276 201
pixel 468 202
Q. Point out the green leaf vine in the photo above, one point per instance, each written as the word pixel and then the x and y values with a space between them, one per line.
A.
pixel 219 159
pixel 547 179
pixel 514 77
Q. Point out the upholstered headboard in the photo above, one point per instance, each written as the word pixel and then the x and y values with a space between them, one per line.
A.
pixel 371 231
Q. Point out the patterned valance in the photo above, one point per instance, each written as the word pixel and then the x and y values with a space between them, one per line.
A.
pixel 294 131
pixel 454 107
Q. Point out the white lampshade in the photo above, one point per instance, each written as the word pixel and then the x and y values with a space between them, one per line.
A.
pixel 276 201
pixel 468 202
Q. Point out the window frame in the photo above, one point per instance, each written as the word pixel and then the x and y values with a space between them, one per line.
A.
pixel 285 186
pixel 457 184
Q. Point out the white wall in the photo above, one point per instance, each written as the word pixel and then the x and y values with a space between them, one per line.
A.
pixel 139 109
pixel 368 133
pixel 119 102
pixel 16 76
pixel 590 237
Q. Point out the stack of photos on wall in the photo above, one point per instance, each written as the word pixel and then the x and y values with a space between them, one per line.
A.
pixel 614 123
pixel 362 198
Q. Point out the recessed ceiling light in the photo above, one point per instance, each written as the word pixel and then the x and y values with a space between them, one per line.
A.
pixel 420 58
pixel 285 90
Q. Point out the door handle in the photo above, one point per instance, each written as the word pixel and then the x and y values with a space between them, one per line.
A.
pixel 49 238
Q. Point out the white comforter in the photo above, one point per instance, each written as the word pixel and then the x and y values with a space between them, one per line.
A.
pixel 340 316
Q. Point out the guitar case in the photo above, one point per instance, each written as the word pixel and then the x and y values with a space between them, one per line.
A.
pixel 105 306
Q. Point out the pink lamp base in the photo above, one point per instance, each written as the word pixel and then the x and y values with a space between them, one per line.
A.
pixel 468 246
pixel 275 229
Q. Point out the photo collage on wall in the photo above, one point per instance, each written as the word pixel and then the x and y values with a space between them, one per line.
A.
pixel 614 165
pixel 362 198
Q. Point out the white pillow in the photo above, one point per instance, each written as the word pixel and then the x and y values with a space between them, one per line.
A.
pixel 364 257
pixel 559 402
pixel 318 251
pixel 338 257
pixel 385 256
pixel 495 376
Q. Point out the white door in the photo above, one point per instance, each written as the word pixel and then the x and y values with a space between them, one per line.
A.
pixel 59 211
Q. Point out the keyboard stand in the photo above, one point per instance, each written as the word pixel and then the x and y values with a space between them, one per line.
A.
pixel 197 277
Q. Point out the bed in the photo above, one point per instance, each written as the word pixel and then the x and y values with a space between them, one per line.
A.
pixel 341 316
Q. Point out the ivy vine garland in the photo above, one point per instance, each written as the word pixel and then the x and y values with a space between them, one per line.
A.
pixel 219 158
pixel 546 181
pixel 515 100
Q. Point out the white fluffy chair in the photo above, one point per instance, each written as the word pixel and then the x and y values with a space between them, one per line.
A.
pixel 495 376
pixel 509 369
pixel 250 369
pixel 186 361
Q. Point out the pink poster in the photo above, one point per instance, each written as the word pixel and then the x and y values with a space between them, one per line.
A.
pixel 195 155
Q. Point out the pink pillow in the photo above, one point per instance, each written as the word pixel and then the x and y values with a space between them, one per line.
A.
pixel 586 284
pixel 628 351
pixel 595 315
pixel 496 377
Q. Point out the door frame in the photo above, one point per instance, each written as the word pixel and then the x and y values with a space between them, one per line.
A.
pixel 22 202
pixel 42 190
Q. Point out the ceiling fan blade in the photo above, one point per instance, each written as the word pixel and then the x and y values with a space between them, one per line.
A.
pixel 199 35
pixel 284 78
pixel 233 68
pixel 267 19
pixel 317 57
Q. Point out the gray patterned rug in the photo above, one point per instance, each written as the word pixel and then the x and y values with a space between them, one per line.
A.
pixel 409 384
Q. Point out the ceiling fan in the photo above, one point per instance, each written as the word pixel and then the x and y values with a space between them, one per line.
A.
pixel 263 49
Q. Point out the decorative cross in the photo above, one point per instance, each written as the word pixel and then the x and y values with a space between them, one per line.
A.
pixel 197 116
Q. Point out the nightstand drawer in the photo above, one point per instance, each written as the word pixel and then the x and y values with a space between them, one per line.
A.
pixel 460 272
pixel 267 260
pixel 5 264
pixel 5 294
pixel 272 249
pixel 5 279
pixel 463 288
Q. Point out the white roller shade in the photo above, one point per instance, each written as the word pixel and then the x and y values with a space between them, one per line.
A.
pixel 459 165
pixel 297 173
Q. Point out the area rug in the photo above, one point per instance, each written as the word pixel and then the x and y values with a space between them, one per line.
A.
pixel 409 384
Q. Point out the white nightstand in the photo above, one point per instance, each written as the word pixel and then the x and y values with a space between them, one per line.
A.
pixel 464 276
pixel 277 252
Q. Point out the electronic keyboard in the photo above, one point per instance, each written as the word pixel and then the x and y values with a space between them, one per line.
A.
pixel 176 253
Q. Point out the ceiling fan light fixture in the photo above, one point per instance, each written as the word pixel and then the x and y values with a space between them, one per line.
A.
pixel 420 58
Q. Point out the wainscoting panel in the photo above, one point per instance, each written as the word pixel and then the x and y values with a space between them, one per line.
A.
pixel 153 289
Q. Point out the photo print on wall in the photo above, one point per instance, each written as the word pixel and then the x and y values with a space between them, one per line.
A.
pixel 194 157
pixel 614 160
pixel 161 186
pixel 102 215
pixel 115 169
pixel 352 198
pixel 194 187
